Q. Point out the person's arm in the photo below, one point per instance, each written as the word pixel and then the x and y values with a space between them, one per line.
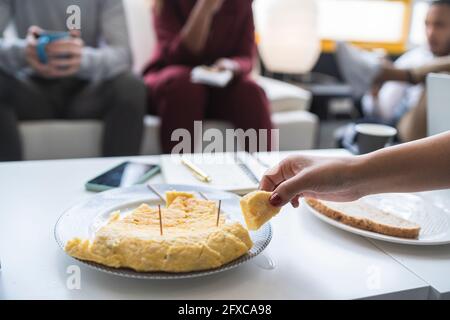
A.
pixel 115 56
pixel 245 56
pixel 12 52
pixel 416 166
pixel 438 65
pixel 396 94
pixel 183 43
pixel 196 30
pixel 241 63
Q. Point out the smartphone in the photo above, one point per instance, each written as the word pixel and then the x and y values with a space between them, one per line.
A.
pixel 124 175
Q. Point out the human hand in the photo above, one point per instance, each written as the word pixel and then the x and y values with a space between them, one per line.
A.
pixel 210 6
pixel 65 55
pixel 379 82
pixel 31 55
pixel 57 67
pixel 375 90
pixel 226 64
pixel 334 179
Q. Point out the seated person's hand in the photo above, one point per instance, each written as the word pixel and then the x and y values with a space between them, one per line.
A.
pixel 375 90
pixel 31 52
pixel 331 179
pixel 376 87
pixel 226 64
pixel 64 55
pixel 211 6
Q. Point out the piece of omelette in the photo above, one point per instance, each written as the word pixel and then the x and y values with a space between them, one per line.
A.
pixel 257 209
pixel 191 241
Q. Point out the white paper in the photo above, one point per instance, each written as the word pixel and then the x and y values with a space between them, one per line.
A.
pixel 210 77
pixel 223 169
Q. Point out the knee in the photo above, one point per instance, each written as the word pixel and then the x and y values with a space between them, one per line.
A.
pixel 129 92
pixel 246 87
pixel 6 111
pixel 247 93
pixel 5 79
pixel 248 84
pixel 128 83
pixel 175 82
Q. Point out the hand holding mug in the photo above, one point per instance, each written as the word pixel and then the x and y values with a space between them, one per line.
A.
pixel 53 54
pixel 65 55
pixel 31 52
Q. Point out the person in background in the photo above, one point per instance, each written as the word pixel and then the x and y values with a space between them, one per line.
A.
pixel 217 33
pixel 416 166
pixel 395 98
pixel 87 75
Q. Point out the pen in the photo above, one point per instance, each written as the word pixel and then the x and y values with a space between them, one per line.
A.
pixel 198 173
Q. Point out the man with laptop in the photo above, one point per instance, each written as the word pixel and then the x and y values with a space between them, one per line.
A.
pixel 71 61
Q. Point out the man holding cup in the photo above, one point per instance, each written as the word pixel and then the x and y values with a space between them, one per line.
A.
pixel 69 74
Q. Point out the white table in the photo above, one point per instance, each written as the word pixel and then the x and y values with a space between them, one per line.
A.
pixel 312 260
pixel 431 264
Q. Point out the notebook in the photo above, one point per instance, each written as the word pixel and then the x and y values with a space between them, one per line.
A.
pixel 239 173
pixel 211 77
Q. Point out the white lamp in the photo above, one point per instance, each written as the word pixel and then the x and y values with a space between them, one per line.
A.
pixel 288 34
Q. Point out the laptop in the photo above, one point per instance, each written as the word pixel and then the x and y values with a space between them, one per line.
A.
pixel 438 104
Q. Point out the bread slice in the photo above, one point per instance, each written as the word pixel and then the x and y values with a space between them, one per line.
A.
pixel 366 217
pixel 257 209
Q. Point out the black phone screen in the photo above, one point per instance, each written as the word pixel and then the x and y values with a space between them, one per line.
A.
pixel 124 175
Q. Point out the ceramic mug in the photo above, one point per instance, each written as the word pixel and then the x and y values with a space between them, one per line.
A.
pixel 371 137
pixel 45 38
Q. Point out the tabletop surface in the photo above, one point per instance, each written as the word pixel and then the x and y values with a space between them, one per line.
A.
pixel 311 260
pixel 429 263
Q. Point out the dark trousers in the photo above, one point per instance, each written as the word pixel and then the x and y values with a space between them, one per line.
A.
pixel 179 103
pixel 119 102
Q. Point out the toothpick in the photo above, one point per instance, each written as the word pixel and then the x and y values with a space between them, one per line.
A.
pixel 218 213
pixel 160 220
pixel 203 195
pixel 152 189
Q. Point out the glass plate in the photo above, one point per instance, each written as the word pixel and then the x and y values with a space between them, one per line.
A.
pixel 84 219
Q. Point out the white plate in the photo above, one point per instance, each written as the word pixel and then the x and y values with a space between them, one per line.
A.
pixel 84 219
pixel 434 221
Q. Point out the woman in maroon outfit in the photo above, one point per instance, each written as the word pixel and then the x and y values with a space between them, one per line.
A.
pixel 190 33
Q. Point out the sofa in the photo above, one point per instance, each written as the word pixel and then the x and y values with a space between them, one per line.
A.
pixel 56 139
